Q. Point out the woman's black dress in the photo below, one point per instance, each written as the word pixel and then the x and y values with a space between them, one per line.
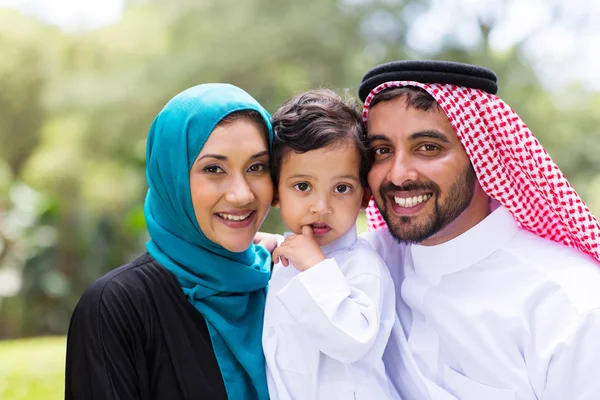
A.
pixel 134 336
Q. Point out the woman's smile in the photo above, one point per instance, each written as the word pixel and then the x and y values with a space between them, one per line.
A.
pixel 236 218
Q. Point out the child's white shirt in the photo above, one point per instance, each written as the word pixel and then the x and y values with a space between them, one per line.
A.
pixel 325 329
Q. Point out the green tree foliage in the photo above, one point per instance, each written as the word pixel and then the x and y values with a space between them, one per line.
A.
pixel 22 80
pixel 75 109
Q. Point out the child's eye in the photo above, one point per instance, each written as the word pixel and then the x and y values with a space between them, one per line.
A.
pixel 302 187
pixel 212 169
pixel 259 167
pixel 342 189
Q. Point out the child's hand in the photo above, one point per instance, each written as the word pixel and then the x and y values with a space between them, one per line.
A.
pixel 266 240
pixel 300 250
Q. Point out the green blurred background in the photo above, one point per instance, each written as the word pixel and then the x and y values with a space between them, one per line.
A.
pixel 76 101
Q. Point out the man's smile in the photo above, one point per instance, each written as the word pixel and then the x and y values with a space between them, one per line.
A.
pixel 411 201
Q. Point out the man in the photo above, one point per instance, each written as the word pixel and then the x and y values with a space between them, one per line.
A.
pixel 494 256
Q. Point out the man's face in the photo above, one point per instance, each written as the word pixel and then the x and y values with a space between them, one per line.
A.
pixel 422 179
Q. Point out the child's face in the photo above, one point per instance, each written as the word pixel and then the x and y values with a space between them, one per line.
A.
pixel 321 188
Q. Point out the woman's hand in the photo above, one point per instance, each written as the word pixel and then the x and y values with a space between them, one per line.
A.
pixel 301 250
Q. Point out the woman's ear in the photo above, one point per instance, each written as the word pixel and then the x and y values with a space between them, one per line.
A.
pixel 275 201
pixel 365 199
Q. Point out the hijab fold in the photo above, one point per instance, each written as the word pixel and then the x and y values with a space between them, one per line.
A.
pixel 227 288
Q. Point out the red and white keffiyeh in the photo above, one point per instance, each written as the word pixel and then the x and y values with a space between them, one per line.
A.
pixel 511 166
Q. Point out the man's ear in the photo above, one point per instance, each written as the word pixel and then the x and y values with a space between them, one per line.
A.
pixel 365 199
pixel 275 201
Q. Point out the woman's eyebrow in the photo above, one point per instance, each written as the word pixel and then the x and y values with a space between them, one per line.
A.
pixel 225 158
pixel 215 156
pixel 258 155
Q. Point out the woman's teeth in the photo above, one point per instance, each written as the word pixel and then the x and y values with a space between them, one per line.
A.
pixel 411 201
pixel 233 217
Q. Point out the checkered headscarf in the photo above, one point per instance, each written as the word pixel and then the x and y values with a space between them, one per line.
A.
pixel 511 165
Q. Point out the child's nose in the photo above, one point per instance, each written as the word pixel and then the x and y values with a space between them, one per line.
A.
pixel 321 207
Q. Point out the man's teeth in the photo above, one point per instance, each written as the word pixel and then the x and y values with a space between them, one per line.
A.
pixel 411 201
pixel 234 217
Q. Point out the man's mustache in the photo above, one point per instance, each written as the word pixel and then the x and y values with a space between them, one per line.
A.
pixel 409 187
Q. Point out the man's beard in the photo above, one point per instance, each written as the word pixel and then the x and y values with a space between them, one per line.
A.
pixel 458 198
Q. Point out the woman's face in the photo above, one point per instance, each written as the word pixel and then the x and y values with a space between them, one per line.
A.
pixel 230 184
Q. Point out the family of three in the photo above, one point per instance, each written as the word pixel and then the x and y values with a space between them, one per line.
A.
pixel 479 279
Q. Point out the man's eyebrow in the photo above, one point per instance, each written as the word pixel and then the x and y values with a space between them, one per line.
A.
pixel 376 137
pixel 430 134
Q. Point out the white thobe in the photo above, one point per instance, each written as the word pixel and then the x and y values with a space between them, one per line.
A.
pixel 325 329
pixel 497 313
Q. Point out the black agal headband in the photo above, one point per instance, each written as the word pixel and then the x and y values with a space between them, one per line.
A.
pixel 429 71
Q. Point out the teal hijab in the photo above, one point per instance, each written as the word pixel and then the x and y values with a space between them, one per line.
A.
pixel 227 288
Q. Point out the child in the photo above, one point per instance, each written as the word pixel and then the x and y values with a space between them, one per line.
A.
pixel 330 304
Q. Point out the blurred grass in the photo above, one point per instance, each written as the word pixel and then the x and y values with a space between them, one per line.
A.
pixel 32 369
pixel 361 223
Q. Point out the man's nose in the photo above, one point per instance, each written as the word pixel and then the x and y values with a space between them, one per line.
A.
pixel 402 170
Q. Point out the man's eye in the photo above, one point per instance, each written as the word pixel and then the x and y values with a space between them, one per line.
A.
pixel 302 187
pixel 428 148
pixel 381 150
pixel 212 169
pixel 342 189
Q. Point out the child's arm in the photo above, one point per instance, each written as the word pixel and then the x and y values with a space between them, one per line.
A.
pixel 269 241
pixel 342 314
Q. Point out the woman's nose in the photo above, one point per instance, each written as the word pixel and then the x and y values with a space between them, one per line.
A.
pixel 239 193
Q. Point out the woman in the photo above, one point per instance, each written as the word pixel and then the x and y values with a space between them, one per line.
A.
pixel 184 320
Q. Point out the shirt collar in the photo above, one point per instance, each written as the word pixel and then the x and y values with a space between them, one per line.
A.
pixel 345 242
pixel 467 249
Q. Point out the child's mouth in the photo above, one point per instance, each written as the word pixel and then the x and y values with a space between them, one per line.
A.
pixel 320 229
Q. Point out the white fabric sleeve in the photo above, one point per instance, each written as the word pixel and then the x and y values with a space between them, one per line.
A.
pixel 342 316
pixel 575 360
pixel 385 246
pixel 563 351
pixel 280 239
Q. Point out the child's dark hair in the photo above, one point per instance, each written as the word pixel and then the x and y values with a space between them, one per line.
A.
pixel 316 119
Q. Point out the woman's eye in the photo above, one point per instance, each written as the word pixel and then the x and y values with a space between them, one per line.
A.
pixel 257 167
pixel 302 187
pixel 342 189
pixel 212 169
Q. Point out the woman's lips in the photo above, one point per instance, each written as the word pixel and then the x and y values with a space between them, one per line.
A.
pixel 236 219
